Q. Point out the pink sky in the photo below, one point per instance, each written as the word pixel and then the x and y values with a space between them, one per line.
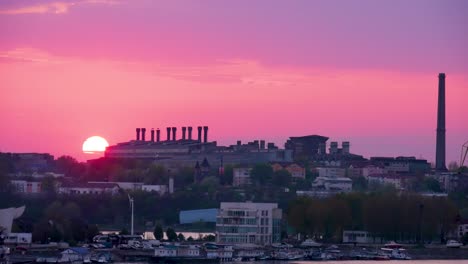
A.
pixel 364 71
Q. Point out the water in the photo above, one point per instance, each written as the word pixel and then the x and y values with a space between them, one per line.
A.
pixel 461 261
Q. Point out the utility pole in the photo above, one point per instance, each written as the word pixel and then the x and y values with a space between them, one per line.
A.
pixel 131 217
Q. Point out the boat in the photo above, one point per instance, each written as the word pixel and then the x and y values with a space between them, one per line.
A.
pixel 453 244
pixel 310 243
pixel 393 244
pixel 396 253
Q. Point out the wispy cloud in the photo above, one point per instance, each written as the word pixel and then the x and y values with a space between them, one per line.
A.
pixel 57 7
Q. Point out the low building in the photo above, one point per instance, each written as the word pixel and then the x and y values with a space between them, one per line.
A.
pixel 331 172
pixel 253 223
pixel 359 237
pixel 462 229
pixel 241 177
pixel 18 239
pixel 341 184
pixel 396 180
pixel 189 251
pixel 128 186
pixel 27 187
pixel 89 188
pixel 219 252
pixel 165 251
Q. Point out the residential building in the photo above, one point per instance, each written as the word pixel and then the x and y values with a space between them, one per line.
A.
pixel 89 188
pixel 248 223
pixel 219 251
pixel 241 176
pixel 165 251
pixel 331 172
pixel 188 251
pixel 371 169
pixel 341 184
pixel 27 187
pixel 18 239
pixel 359 237
pixel 127 186
pixel 462 229
pixel 296 170
pixel 402 164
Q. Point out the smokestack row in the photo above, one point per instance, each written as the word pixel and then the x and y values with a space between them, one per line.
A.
pixel 186 134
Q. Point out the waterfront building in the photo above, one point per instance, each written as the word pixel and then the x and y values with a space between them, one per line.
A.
pixel 396 180
pixel 296 170
pixel 248 223
pixel 357 236
pixel 165 251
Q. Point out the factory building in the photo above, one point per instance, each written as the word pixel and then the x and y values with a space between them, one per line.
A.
pixel 188 150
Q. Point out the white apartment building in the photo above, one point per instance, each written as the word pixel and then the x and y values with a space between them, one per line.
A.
pixel 241 177
pixel 331 172
pixel 248 223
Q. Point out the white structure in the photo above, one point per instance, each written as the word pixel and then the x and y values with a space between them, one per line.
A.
pixel 188 251
pixel 368 170
pixel 248 223
pixel 219 252
pixel 8 215
pixel 27 186
pixel 342 184
pixel 160 189
pixel 241 176
pixel 18 239
pixel 331 172
pixel 396 180
pixel 128 186
pixel 165 251
pixel 362 237
pixel 89 188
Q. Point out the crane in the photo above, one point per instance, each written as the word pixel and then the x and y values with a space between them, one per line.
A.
pixel 464 152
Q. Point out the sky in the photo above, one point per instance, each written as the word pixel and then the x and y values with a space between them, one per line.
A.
pixel 363 71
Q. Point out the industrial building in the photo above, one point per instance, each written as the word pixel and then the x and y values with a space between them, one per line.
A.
pixel 187 151
pixel 248 223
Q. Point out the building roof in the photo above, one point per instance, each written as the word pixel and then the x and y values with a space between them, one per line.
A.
pixel 104 185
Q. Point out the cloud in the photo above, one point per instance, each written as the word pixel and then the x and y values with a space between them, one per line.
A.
pixel 58 7
pixel 29 55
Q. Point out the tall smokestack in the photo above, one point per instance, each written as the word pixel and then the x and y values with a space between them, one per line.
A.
pixel 158 135
pixel 138 134
pixel 199 133
pixel 152 135
pixel 205 134
pixel 190 133
pixel 440 141
pixel 184 131
pixel 174 133
pixel 168 133
pixel 143 134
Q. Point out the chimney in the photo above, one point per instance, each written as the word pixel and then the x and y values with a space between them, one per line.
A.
pixel 184 131
pixel 152 135
pixel 143 134
pixel 199 133
pixel 205 134
pixel 190 133
pixel 440 141
pixel 138 134
pixel 168 133
pixel 174 131
pixel 158 135
pixel 262 144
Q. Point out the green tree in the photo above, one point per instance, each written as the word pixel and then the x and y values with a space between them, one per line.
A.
pixel 281 178
pixel 48 185
pixel 158 232
pixel 261 173
pixel 124 231
pixel 180 237
pixel 359 184
pixel 227 177
pixel 171 234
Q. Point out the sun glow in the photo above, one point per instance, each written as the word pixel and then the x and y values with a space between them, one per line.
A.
pixel 95 144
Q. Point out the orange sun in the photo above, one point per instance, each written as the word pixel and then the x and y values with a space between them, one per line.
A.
pixel 95 144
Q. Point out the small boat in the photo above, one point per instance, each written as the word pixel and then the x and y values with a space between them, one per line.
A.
pixel 453 244
pixel 310 243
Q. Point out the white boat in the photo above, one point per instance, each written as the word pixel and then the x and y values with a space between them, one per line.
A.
pixel 396 253
pixel 453 244
pixel 310 243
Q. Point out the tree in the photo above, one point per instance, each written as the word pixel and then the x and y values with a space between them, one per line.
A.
pixel 282 178
pixel 359 184
pixel 227 177
pixel 48 185
pixel 171 234
pixel 261 173
pixel 158 232
pixel 180 237
pixel 124 231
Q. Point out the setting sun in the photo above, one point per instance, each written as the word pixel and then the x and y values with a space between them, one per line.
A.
pixel 95 144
